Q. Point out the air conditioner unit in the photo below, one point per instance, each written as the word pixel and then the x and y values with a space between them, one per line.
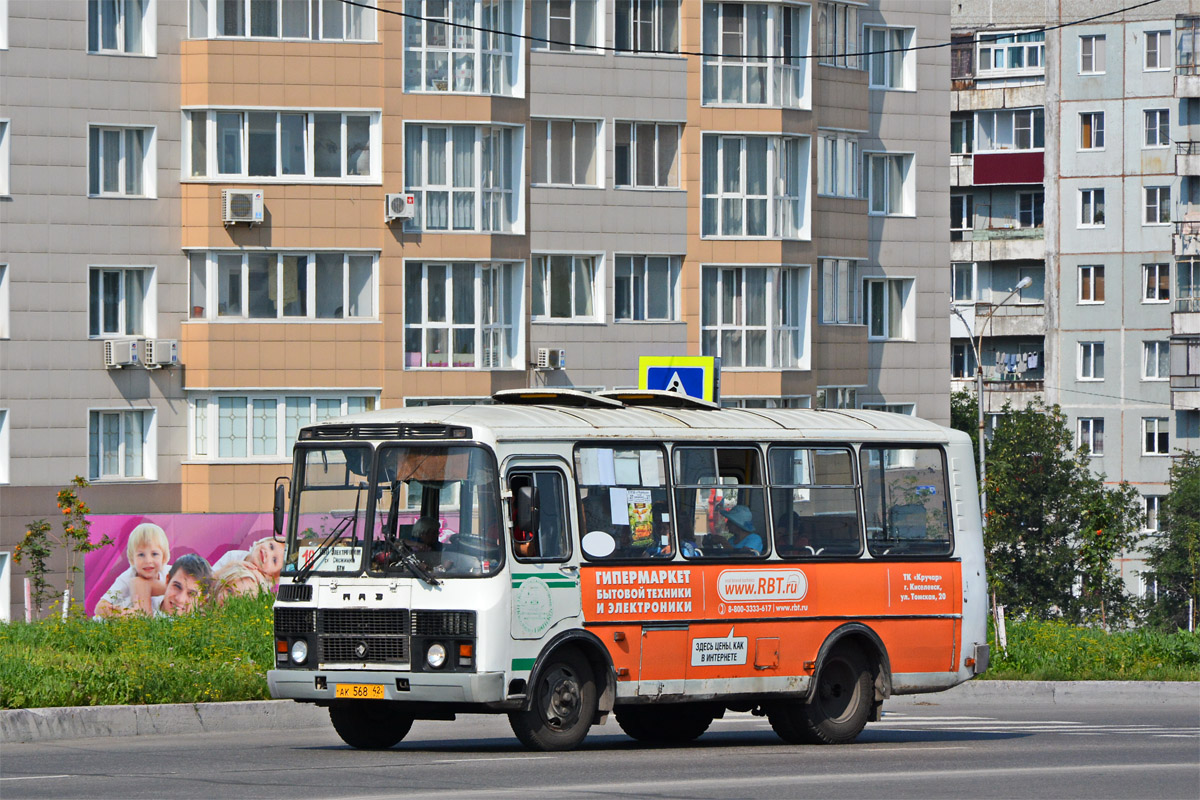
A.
pixel 242 205
pixel 400 206
pixel 122 353
pixel 162 353
pixel 551 358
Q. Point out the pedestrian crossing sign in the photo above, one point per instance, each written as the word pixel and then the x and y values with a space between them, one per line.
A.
pixel 694 376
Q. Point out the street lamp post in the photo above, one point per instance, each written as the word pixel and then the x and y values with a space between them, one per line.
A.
pixel 978 349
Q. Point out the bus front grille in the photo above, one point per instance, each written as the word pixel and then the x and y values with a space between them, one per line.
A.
pixel 379 649
pixel 292 621
pixel 443 623
pixel 363 622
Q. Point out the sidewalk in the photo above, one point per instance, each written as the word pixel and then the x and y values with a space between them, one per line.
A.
pixel 50 724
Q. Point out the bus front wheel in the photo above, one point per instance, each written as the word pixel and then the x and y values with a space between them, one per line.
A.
pixel 563 706
pixel 369 724
pixel 839 708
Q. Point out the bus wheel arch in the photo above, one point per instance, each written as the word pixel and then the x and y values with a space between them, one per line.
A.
pixel 563 696
pixel 856 634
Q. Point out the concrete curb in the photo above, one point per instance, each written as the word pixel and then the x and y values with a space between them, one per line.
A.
pixel 51 724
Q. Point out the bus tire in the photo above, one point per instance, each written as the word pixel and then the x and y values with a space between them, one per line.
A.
pixel 839 708
pixel 369 724
pixel 664 724
pixel 563 705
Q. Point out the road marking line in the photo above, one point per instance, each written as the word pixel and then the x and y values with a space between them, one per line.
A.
pixel 495 758
pixel 36 777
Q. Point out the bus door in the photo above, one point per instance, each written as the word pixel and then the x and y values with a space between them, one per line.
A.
pixel 545 571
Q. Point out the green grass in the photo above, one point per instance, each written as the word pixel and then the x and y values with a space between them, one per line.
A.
pixel 221 653
pixel 1056 651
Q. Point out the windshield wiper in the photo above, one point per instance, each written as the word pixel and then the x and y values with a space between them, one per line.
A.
pixel 333 537
pixel 409 559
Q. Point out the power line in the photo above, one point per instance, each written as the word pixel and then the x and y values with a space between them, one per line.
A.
pixel 760 57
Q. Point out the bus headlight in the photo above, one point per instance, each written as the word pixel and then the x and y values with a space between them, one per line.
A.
pixel 299 651
pixel 435 656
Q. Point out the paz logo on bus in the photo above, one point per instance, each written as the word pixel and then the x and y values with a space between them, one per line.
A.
pixel 749 585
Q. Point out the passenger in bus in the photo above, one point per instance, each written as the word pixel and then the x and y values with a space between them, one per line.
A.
pixel 739 524
pixel 791 535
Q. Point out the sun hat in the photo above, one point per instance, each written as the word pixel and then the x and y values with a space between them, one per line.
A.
pixel 740 516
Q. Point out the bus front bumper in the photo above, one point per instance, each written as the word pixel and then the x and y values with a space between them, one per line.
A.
pixel 486 688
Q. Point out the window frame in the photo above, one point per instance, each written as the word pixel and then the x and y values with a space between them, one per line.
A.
pixel 1091 131
pixel 96 446
pixel 970 269
pixel 632 162
pixel 205 419
pixel 904 304
pixel 315 27
pixel 148 303
pixel 674 272
pixel 908 189
pixel 495 56
pixel 658 30
pixel 907 80
pixel 547 145
pixel 1036 211
pixel 1156 436
pixel 490 199
pixel 1089 356
pixel 1159 51
pixel 785 77
pixel 1091 200
pixel 5 308
pixel 1008 41
pixel 547 6
pixel 5 155
pixel 779 319
pixel 1096 54
pixel 95 29
pixel 1161 128
pixel 839 164
pixel 1156 360
pixel 962 214
pixel 841 304
pixel 5 417
pixel 597 283
pixel 1156 280
pixel 1000 130
pixel 716 197
pixel 1091 284
pixel 96 161
pixel 1090 432
pixel 1156 209
pixel 1151 509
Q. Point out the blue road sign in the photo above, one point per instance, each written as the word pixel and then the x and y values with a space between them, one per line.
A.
pixel 685 380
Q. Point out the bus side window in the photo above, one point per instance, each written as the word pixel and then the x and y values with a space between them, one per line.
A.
pixel 549 542
pixel 905 493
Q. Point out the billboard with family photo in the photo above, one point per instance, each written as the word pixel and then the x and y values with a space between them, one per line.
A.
pixel 171 563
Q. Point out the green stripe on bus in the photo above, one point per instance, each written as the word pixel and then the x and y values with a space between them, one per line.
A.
pixel 523 664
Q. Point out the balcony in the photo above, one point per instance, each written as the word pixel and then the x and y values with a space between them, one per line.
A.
pixel 1187 158
pixel 1185 317
pixel 1018 167
pixel 962 170
pixel 1185 242
pixel 998 244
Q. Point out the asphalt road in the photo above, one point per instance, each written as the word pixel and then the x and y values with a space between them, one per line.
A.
pixel 921 749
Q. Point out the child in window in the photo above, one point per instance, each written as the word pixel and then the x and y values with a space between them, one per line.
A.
pixel 146 578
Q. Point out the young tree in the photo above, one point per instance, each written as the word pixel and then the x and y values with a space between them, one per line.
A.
pixel 1053 527
pixel 1174 555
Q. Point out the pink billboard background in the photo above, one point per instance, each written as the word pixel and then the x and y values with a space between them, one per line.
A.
pixel 208 535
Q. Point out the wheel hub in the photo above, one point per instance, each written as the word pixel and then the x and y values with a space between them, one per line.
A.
pixel 562 708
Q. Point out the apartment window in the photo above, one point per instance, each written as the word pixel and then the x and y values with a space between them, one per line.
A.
pixel 285 146
pixel 1091 55
pixel 3 24
pixel 1158 50
pixel 563 152
pixel 4 156
pixel 890 184
pixel 646 155
pixel 1091 284
pixel 1158 127
pixel 1031 209
pixel 121 26
pixel 121 444
pixel 890 62
pixel 1091 208
pixel 121 301
pixel 837 164
pixel 324 20
pixel 1187 284
pixel 1156 361
pixel 962 134
pixel 1158 205
pixel 463 315
pixel 479 54
pixel 1091 435
pixel 464 177
pixel 261 285
pixel 647 26
pixel 1035 292
pixel 962 278
pixel 4 449
pixel 259 426
pixel 962 215
pixel 889 308
pixel 1156 282
pixel 962 360
pixel 753 316
pixel 564 287
pixel 755 186
pixel 121 162
pixel 646 288
pixel 837 35
pixel 755 54
pixel 1019 52
pixel 4 331
pixel 837 397
pixel 1022 129
pixel 1156 436
pixel 784 401
pixel 566 24
pixel 1091 130
pixel 1152 505
pixel 1091 361
pixel 840 287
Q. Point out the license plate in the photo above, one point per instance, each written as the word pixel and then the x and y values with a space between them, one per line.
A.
pixel 359 691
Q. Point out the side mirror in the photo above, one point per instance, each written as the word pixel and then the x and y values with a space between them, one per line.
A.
pixel 280 507
pixel 527 514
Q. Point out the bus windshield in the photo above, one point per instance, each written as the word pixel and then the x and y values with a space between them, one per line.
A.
pixel 439 505
pixel 329 533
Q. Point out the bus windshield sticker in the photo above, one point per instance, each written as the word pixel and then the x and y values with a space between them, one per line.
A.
pixel 599 544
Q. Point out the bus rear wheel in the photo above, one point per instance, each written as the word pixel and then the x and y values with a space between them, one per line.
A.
pixel 563 706
pixel 664 724
pixel 369 724
pixel 839 707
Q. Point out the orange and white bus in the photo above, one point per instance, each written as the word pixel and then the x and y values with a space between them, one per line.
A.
pixel 562 556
